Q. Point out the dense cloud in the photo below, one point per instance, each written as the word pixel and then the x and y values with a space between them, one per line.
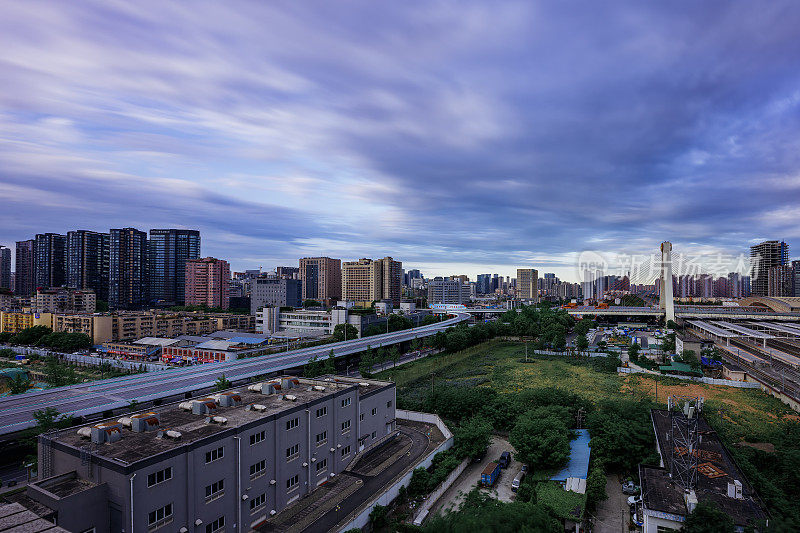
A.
pixel 456 136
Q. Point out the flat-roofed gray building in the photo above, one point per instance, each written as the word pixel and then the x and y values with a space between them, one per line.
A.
pixel 225 462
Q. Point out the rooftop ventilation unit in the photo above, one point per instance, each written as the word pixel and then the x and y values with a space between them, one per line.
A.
pixel 85 432
pixel 289 383
pixel 290 397
pixel 318 388
pixel 229 399
pixel 363 384
pixel 170 434
pixel 186 406
pixel 204 406
pixel 263 388
pixel 256 407
pixel 144 422
pixel 106 432
pixel 216 420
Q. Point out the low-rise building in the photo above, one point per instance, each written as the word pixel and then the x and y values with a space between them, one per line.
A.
pixel 15 321
pixel 666 501
pixel 64 300
pixel 228 461
pixel 279 292
pixel 111 327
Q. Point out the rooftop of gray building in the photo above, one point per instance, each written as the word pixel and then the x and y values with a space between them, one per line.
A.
pixel 182 423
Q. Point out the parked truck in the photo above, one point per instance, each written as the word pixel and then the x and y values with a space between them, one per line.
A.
pixel 490 474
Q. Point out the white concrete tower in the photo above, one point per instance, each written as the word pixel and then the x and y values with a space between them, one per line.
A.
pixel 666 300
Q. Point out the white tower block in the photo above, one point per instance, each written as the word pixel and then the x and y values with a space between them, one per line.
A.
pixel 666 301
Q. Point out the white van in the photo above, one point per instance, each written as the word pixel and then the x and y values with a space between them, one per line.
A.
pixel 517 480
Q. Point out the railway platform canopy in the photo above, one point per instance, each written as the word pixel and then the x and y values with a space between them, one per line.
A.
pixel 788 330
pixel 745 332
pixel 715 332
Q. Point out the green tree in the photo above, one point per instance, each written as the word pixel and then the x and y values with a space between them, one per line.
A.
pixel 633 352
pixel 707 518
pixel 595 487
pixel 340 331
pixel 19 384
pixel 378 517
pixel 7 353
pixel 602 345
pixel 582 343
pixel 541 442
pixel 313 368
pixel 49 418
pixel 222 383
pixel 394 355
pixel 329 366
pixel 560 343
pixel 30 336
pixel 311 303
pixel 366 363
pixel 471 438
pixel 668 345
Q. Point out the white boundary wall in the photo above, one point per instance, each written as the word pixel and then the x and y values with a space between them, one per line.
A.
pixel 710 381
pixel 386 497
pixel 434 496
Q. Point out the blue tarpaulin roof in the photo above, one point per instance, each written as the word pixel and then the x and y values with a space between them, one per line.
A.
pixel 578 465
pixel 709 362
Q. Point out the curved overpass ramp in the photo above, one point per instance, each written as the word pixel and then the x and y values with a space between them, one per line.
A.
pixel 16 412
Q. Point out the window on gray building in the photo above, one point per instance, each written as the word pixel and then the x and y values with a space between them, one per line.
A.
pixel 259 469
pixel 258 503
pixel 322 411
pixel 322 438
pixel 292 452
pixel 213 455
pixel 159 477
pixel 292 482
pixel 322 466
pixel 255 438
pixel 374 411
pixel 160 517
pixel 389 404
pixel 215 490
pixel 217 526
pixel 293 423
pixel 345 402
pixel 361 417
pixel 345 426
pixel 345 451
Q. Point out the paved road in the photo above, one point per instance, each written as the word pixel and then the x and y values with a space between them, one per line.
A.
pixel 612 514
pixel 471 476
pixel 16 412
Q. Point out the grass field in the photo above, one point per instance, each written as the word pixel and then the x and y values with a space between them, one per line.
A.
pixel 742 414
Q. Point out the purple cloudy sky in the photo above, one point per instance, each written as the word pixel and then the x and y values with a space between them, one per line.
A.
pixel 456 136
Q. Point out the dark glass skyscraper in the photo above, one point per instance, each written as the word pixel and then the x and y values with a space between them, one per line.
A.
pixel 127 287
pixel 88 261
pixel 5 268
pixel 168 251
pixel 51 260
pixel 25 271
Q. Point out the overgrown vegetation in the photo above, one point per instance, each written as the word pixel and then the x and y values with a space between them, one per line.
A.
pixel 45 337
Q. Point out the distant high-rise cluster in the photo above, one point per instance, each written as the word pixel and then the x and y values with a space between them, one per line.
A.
pixel 123 267
pixel 770 271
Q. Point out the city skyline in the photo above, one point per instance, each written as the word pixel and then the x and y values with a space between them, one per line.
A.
pixel 480 141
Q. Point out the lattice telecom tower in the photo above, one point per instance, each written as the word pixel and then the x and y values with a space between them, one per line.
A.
pixel 684 415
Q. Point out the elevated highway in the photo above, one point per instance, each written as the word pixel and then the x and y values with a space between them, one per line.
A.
pixel 86 399
pixel 685 312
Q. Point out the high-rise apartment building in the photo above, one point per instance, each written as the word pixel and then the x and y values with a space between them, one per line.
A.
pixel 127 287
pixel 763 257
pixel 796 278
pixel 25 270
pixel 484 284
pixel 368 280
pixel 322 278
pixel 448 291
pixel 51 260
pixel 779 281
pixel 169 249
pixel 88 261
pixel 278 292
pixel 5 268
pixel 527 283
pixel 207 282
